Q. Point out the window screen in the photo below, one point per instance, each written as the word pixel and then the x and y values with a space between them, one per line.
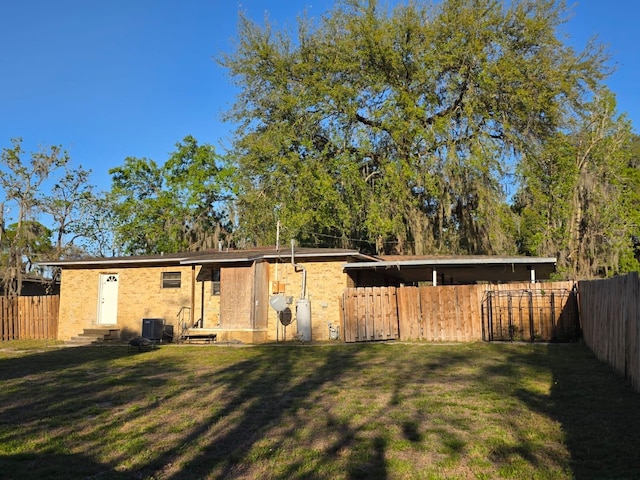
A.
pixel 170 279
pixel 215 281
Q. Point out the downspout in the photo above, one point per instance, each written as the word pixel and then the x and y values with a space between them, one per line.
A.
pixel 299 268
pixel 193 293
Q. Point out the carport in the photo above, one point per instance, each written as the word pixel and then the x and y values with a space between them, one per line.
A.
pixel 454 298
pixel 449 270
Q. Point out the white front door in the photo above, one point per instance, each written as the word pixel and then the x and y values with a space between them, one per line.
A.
pixel 108 299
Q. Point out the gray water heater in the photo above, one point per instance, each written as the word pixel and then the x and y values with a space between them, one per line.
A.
pixel 303 319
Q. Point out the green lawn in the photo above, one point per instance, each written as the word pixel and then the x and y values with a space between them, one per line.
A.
pixel 324 412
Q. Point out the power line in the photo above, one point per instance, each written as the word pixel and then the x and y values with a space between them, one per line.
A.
pixel 371 242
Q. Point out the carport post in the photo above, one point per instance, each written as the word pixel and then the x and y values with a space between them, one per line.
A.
pixel 434 278
pixel 533 275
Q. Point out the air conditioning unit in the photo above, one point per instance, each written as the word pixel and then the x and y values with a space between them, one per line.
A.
pixel 153 329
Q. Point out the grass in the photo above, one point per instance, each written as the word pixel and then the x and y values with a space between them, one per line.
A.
pixel 422 411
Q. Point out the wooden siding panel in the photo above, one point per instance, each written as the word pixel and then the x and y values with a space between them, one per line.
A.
pixel 236 297
pixel 261 294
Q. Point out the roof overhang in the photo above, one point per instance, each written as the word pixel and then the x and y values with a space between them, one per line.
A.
pixel 111 262
pixel 212 258
pixel 461 270
pixel 218 259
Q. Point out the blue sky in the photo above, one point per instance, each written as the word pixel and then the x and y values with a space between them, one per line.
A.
pixel 111 79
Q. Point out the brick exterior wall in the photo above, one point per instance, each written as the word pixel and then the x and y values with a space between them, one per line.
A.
pixel 326 282
pixel 140 295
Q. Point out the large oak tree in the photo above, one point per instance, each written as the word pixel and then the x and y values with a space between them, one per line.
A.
pixel 400 127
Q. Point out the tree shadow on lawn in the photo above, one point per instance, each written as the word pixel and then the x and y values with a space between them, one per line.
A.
pixel 81 398
pixel 289 412
pixel 177 413
pixel 598 412
pixel 54 403
pixel 274 405
pixel 292 413
pixel 55 465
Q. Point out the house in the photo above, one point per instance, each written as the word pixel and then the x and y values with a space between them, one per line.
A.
pixel 221 295
pixel 251 296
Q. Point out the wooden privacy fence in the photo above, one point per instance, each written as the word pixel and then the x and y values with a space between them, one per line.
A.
pixel 462 313
pixel 610 321
pixel 29 318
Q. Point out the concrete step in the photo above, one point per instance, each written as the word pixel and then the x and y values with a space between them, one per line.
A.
pixel 92 336
pixel 101 332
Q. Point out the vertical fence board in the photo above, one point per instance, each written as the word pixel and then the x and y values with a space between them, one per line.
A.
pixel 347 316
pixel 394 328
pixel 466 312
pixel 633 311
pixel 409 313
pixel 353 304
pixel 444 314
pixel 361 331
pixel 435 305
pixel 428 300
pixel 454 319
pixel 369 320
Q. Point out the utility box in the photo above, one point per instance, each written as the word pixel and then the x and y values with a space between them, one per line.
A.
pixel 153 329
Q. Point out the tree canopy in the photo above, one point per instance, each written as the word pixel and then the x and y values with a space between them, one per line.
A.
pixel 171 207
pixel 25 240
pixel 573 202
pixel 451 127
pixel 402 127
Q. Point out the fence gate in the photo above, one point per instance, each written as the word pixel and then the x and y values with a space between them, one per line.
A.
pixel 530 315
pixel 370 314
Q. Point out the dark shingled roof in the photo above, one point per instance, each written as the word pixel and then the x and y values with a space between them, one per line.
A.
pixel 211 256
